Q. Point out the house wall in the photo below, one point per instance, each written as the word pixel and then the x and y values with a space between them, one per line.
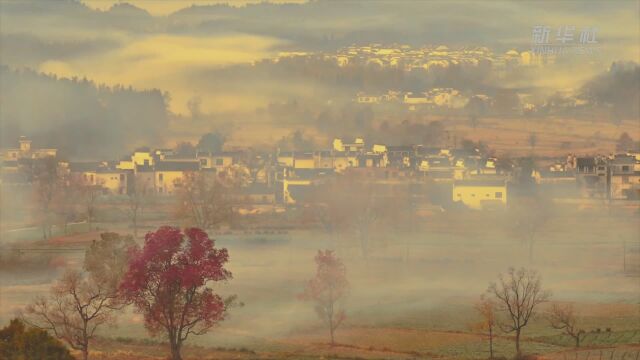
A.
pixel 115 182
pixel 139 158
pixel 477 197
pixel 622 186
pixel 166 181
pixel 286 160
pixel 304 163
pixel 285 189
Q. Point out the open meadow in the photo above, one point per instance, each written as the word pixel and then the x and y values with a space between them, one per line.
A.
pixel 411 298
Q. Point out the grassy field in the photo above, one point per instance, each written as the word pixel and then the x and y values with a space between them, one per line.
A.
pixel 411 299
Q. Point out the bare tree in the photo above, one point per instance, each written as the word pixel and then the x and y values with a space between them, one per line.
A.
pixel 82 302
pixel 327 289
pixel 139 197
pixel 73 311
pixel 564 318
pixel 66 201
pixel 204 200
pixel 530 216
pixel 486 307
pixel 45 185
pixel 518 294
pixel 360 208
pixel 90 195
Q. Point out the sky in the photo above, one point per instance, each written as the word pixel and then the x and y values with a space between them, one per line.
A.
pixel 172 51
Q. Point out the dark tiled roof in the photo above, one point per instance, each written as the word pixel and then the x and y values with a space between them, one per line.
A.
pixel 177 166
pixel 619 160
pixel 84 166
pixel 586 162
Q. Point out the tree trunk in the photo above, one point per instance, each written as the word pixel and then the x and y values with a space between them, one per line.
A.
pixel 85 353
pixel 518 343
pixel 578 341
pixel 175 352
pixel 490 342
pixel 175 347
pixel 135 224
pixel 331 331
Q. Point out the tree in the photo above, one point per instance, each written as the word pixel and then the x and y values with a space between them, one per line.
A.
pixel 46 184
pixel 73 312
pixel 530 214
pixel 624 143
pixel 533 140
pixel 203 200
pixel 66 202
pixel 167 282
pixel 106 261
pixel 19 342
pixel 506 101
pixel 327 289
pixel 82 302
pixel 211 142
pixel 186 149
pixel 486 308
pixel 518 294
pixel 89 195
pixel 564 318
pixel 138 198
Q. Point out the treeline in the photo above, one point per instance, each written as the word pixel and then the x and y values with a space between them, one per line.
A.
pixel 360 76
pixel 78 116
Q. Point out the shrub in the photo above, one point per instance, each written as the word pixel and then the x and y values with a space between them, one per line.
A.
pixel 17 341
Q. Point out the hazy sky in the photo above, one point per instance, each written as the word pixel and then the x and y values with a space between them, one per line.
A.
pixel 168 50
pixel 166 7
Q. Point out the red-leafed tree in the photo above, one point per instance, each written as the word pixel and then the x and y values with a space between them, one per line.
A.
pixel 168 280
pixel 327 289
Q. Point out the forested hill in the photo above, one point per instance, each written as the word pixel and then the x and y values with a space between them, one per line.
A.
pixel 81 118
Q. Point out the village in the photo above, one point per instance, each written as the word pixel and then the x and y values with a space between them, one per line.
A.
pixel 267 181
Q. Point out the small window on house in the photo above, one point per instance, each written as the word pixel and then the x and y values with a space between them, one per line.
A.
pixel 625 168
pixel 160 176
pixel 459 195
pixel 203 162
pixel 498 195
pixel 600 167
pixel 488 195
pixel 220 162
pixel 473 195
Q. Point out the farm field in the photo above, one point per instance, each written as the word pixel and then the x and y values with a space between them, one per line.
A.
pixel 411 299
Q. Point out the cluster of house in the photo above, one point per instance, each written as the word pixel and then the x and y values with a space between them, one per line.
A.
pixel 465 176
pixel 436 97
pixel 409 58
